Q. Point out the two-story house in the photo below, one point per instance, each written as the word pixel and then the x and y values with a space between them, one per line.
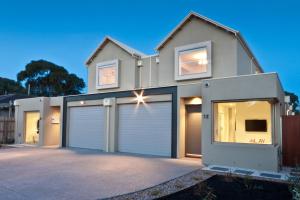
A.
pixel 202 95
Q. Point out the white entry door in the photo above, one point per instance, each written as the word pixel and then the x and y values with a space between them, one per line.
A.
pixel 86 127
pixel 145 129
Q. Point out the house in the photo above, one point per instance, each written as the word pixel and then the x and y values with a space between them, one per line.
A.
pixel 204 94
pixel 6 104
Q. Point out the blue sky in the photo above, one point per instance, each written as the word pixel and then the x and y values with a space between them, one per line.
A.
pixel 67 32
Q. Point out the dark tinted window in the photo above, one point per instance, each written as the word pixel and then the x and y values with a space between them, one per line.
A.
pixel 256 125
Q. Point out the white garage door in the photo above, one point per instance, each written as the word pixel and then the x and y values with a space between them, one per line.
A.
pixel 86 127
pixel 145 129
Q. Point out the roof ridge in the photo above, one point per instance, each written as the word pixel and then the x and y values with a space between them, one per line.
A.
pixel 125 47
pixel 184 20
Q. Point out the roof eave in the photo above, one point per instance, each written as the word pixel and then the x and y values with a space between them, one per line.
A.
pixel 107 38
pixel 186 19
pixel 93 55
pixel 248 50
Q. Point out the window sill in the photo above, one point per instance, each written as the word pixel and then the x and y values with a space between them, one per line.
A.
pixel 106 87
pixel 263 146
pixel 192 77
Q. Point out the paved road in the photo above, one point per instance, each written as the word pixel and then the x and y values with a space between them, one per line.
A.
pixel 39 173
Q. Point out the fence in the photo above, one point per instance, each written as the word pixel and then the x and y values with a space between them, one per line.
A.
pixel 7 130
pixel 291 140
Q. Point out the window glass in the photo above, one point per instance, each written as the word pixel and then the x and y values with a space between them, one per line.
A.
pixel 107 75
pixel 193 61
pixel 243 122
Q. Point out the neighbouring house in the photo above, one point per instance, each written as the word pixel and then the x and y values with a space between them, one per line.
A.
pixel 7 104
pixel 204 94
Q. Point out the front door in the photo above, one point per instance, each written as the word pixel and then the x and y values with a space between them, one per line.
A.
pixel 32 127
pixel 193 130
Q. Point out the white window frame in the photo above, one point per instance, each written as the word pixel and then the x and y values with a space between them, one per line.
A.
pixel 192 47
pixel 274 140
pixel 107 64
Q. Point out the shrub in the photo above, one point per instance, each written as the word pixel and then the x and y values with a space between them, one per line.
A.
pixel 295 183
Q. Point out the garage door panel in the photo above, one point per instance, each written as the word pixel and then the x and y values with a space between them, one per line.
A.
pixel 145 129
pixel 86 127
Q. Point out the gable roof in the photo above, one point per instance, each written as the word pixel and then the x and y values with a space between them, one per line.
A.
pixel 192 15
pixel 133 52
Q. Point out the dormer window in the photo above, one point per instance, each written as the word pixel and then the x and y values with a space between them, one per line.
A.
pixel 107 74
pixel 193 61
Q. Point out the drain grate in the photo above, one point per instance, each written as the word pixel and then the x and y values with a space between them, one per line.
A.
pixel 245 172
pixel 270 175
pixel 223 169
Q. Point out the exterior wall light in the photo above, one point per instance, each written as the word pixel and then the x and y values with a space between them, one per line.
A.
pixel 81 102
pixel 196 101
pixel 139 97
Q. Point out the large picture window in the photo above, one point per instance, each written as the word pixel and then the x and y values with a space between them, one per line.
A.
pixel 243 122
pixel 193 61
pixel 107 74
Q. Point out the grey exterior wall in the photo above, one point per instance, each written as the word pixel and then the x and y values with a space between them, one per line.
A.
pixel 261 157
pixel 29 105
pixel 229 58
pixel 224 51
pixel 50 134
pixel 245 64
pixel 128 70
pixel 149 72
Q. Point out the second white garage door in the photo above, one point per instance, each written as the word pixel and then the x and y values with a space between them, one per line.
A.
pixel 145 129
pixel 86 127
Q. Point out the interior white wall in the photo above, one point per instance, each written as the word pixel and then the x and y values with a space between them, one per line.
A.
pixel 241 112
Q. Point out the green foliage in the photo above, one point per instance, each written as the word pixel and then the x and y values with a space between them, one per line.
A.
pixel 294 181
pixel 210 195
pixel 156 192
pixel 295 190
pixel 250 185
pixel 294 101
pixel 48 79
pixel 8 86
pixel 205 192
pixel 179 185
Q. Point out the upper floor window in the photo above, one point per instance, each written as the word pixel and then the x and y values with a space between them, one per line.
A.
pixel 107 74
pixel 193 61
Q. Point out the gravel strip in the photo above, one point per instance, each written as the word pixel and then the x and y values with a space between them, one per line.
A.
pixel 168 187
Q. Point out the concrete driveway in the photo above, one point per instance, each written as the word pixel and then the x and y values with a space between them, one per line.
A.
pixel 39 173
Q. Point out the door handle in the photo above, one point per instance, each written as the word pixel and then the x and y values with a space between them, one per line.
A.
pixel 38 127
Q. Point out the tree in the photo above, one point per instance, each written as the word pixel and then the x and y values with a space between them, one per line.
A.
pixel 48 79
pixel 294 101
pixel 8 86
